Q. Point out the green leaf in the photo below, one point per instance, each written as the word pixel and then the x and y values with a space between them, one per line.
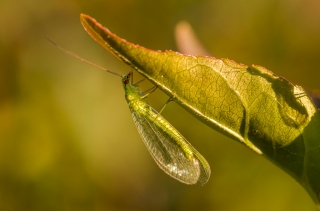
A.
pixel 248 103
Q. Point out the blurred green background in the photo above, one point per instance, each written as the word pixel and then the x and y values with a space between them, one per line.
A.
pixel 67 139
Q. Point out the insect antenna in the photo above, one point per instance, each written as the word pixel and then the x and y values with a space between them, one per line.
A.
pixel 82 59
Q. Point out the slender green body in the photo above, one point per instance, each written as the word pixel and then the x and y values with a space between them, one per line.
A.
pixel 171 151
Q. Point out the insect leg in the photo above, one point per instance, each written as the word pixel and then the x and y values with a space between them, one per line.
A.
pixel 149 91
pixel 168 101
pixel 135 84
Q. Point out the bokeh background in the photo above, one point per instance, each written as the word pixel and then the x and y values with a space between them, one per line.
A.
pixel 67 139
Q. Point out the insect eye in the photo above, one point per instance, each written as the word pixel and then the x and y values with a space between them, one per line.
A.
pixel 126 80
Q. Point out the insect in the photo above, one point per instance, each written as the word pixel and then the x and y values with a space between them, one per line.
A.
pixel 170 150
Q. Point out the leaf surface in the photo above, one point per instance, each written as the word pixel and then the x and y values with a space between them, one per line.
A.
pixel 248 103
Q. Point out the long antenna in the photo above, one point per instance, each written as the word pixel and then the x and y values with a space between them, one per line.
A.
pixel 82 59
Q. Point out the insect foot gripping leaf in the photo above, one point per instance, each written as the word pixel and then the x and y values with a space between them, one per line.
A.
pixel 250 104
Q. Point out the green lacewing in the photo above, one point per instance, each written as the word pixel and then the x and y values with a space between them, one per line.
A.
pixel 170 150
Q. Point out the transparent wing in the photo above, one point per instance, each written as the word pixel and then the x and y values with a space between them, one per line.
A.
pixel 171 151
